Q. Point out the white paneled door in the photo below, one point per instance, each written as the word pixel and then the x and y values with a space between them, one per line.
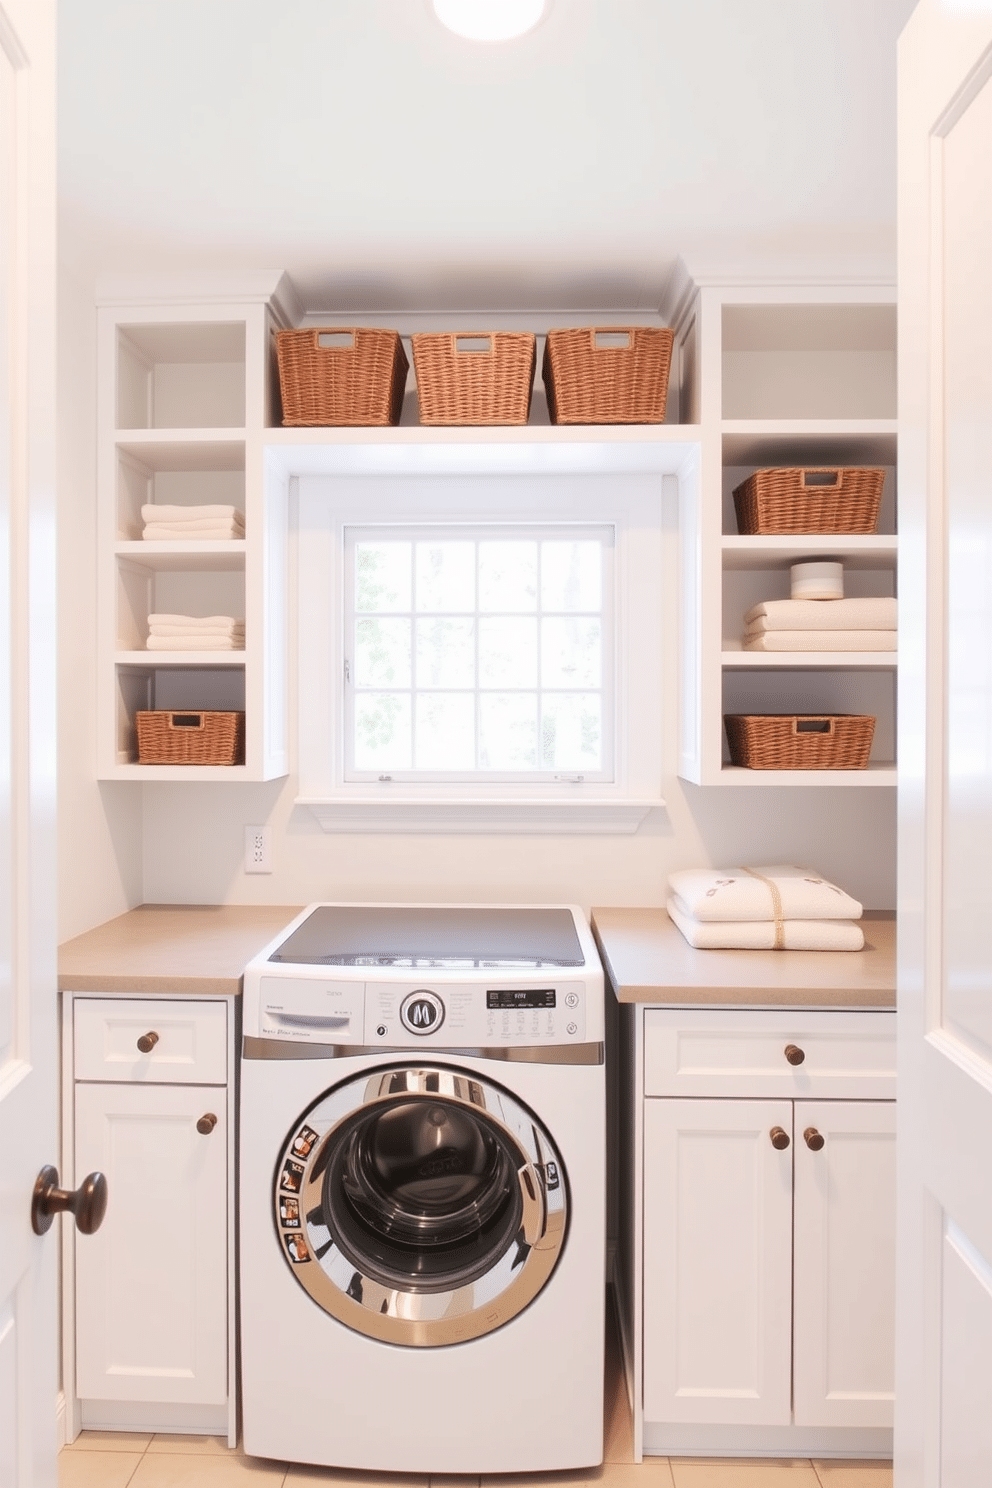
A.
pixel 944 1287
pixel 28 1127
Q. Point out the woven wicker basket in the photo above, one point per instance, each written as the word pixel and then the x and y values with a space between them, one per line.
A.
pixel 478 377
pixel 814 498
pixel 593 376
pixel 804 741
pixel 355 379
pixel 190 738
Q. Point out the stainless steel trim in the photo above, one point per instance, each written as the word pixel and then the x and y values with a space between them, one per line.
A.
pixel 410 1317
pixel 264 1048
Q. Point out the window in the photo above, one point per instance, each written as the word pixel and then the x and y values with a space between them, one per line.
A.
pixel 481 654
pixel 478 653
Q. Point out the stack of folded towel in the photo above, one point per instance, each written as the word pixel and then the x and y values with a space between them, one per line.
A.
pixel 169 523
pixel 195 633
pixel 867 624
pixel 781 907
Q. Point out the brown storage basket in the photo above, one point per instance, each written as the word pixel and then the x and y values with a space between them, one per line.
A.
pixel 354 382
pixel 590 379
pixel 804 741
pixel 474 377
pixel 188 737
pixel 812 498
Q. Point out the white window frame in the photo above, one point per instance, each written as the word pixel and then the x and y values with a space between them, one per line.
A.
pixel 630 503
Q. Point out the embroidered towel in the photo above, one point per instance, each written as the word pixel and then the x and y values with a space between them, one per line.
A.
pixel 713 894
pixel 868 613
pixel 765 935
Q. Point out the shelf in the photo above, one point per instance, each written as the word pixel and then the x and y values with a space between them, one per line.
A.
pixel 858 552
pixel 843 661
pixel 185 557
pixel 884 774
pixel 199 659
pixel 186 773
pixel 184 449
pixel 518 449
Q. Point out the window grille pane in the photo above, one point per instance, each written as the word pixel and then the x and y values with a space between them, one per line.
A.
pixel 571 731
pixel 571 575
pixel 507 651
pixel 382 577
pixel 482 650
pixel 445 731
pixel 382 731
pixel 507 731
pixel 382 653
pixel 445 576
pixel 445 653
pixel 571 652
pixel 508 576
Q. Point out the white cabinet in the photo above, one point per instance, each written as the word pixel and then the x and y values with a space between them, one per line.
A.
pixel 785 378
pixel 150 1296
pixel 759 1243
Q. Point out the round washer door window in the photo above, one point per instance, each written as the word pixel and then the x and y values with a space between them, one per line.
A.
pixel 420 1205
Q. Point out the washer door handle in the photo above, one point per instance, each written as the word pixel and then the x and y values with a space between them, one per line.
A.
pixel 535 1215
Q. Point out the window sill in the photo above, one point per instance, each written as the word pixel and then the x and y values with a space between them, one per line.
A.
pixel 507 817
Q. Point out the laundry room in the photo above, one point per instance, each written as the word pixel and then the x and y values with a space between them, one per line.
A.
pixel 481 825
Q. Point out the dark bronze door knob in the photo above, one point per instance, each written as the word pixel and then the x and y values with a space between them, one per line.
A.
pixel 780 1138
pixel 87 1203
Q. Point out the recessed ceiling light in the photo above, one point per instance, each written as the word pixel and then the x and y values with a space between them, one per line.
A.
pixel 489 20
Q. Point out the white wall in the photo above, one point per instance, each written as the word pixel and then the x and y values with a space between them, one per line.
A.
pixel 99 826
pixel 193 836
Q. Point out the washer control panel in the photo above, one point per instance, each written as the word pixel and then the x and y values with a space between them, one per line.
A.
pixel 408 1014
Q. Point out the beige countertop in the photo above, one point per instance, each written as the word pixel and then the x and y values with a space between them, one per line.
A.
pixel 647 959
pixel 179 949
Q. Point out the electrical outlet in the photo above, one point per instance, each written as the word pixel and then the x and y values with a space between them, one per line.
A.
pixel 258 850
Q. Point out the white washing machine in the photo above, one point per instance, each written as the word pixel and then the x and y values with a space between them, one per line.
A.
pixel 422 1190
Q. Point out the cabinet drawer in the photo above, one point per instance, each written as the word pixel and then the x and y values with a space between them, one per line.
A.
pixel 841 1055
pixel 188 1041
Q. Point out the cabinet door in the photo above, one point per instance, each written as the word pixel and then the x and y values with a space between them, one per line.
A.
pixel 717 1262
pixel 845 1213
pixel 151 1284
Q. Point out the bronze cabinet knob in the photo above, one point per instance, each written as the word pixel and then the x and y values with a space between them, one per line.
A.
pixel 206 1124
pixel 87 1203
pixel 794 1054
pixel 813 1139
pixel 147 1041
pixel 780 1138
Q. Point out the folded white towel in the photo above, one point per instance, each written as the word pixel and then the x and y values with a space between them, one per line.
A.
pixel 152 512
pixel 750 894
pixel 766 935
pixel 195 643
pixel 821 640
pixel 867 613
pixel 213 622
pixel 194 532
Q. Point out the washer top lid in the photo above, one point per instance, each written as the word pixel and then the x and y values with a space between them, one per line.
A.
pixel 400 935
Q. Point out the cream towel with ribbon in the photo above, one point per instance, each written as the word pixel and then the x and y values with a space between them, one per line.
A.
pixel 715 894
pixel 768 935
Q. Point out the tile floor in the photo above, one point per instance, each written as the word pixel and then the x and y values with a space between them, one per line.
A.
pixel 99 1459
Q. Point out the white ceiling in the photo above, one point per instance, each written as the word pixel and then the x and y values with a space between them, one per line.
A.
pixel 389 166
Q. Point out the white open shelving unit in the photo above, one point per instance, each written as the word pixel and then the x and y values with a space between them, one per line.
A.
pixel 189 414
pixel 786 376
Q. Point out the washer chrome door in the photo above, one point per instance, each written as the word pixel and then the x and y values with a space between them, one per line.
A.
pixel 421 1205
